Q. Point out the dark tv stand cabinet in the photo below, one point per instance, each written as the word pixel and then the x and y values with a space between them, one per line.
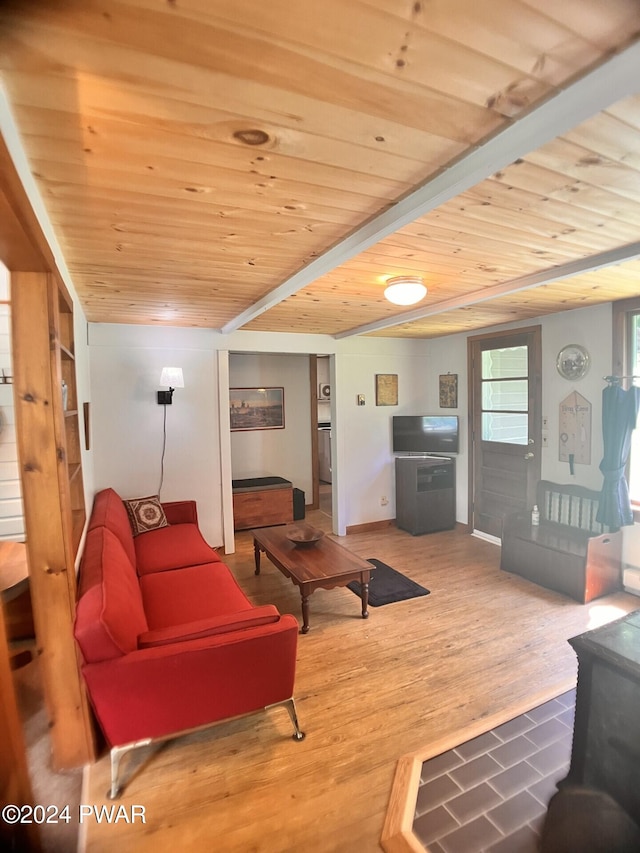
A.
pixel 606 733
pixel 425 493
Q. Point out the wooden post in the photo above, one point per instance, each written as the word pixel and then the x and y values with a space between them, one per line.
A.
pixel 42 453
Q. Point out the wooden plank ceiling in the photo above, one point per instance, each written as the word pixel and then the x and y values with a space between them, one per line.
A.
pixel 194 155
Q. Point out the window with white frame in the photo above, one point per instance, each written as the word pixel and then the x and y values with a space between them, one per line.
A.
pixel 626 364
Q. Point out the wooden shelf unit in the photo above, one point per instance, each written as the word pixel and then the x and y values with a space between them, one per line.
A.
pixel 63 369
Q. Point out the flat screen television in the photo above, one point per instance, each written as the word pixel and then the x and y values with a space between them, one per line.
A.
pixel 425 434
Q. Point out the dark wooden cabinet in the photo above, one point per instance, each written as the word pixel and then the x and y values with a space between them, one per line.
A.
pixel 606 738
pixel 425 493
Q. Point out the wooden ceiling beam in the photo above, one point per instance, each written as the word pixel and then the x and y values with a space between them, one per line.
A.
pixel 24 200
pixel 527 282
pixel 607 83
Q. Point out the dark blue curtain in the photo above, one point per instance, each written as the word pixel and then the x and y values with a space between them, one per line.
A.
pixel 619 416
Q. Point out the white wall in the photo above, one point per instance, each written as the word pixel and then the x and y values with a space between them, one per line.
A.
pixel 125 367
pixel 363 461
pixel 127 432
pixel 275 452
pixel 590 327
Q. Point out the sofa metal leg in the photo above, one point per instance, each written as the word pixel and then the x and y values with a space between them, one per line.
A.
pixel 116 755
pixel 117 752
pixel 290 705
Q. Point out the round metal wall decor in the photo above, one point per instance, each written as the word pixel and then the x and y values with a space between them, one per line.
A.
pixel 573 361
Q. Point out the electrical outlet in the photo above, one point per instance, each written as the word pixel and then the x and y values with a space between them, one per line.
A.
pixel 545 422
pixel 384 501
pixel 545 440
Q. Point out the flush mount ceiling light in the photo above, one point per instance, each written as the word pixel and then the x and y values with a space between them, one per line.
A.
pixel 405 290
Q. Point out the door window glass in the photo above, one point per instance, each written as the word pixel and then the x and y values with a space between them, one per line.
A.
pixel 505 363
pixel 509 429
pixel 505 395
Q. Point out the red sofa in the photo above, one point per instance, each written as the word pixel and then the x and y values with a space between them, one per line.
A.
pixel 168 640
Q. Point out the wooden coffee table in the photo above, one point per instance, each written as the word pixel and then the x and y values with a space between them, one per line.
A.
pixel 324 565
pixel 15 598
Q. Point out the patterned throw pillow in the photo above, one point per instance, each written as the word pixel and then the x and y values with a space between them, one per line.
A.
pixel 146 514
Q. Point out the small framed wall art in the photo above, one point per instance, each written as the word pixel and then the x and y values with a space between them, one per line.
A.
pixel 386 389
pixel 449 391
pixel 256 408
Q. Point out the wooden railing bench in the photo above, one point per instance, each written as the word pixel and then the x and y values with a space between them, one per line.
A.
pixel 569 551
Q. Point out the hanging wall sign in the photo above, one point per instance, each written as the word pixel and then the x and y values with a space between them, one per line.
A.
pixel 575 429
pixel 449 391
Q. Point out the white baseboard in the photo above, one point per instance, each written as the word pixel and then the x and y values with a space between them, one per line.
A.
pixel 487 537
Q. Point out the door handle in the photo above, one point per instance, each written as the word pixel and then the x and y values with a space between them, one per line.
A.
pixel 529 455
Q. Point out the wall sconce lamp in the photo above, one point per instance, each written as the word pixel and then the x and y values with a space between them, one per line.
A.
pixel 171 378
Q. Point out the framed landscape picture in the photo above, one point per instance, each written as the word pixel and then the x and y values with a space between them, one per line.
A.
pixel 256 408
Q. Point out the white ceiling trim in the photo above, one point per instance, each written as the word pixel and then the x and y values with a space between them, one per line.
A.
pixel 13 141
pixel 612 80
pixel 594 262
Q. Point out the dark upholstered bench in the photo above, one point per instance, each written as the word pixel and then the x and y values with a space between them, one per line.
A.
pixel 261 502
pixel 569 551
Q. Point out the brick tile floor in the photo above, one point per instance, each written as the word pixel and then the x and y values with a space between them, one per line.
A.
pixel 490 794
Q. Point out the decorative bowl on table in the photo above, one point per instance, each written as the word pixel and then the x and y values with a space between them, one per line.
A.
pixel 303 535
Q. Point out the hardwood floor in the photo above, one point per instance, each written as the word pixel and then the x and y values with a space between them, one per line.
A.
pixel 368 692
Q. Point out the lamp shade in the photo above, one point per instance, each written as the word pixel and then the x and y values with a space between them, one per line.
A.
pixel 405 290
pixel 171 377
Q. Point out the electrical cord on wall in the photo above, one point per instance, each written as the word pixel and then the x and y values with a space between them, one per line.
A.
pixel 164 446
